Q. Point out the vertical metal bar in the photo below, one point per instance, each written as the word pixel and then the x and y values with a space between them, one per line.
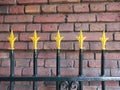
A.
pixel 58 68
pixel 12 63
pixel 35 57
pixel 80 87
pixel 103 68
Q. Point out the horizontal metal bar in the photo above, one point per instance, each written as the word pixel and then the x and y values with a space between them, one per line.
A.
pixel 81 78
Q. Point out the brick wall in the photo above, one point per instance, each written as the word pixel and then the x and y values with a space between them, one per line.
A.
pixel 69 16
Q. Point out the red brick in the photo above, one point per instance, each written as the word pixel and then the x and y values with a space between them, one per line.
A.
pixel 43 71
pixel 81 7
pixel 4 27
pixel 113 45
pixel 67 46
pixel 112 83
pixel 49 9
pixel 21 46
pixel 90 88
pixel 3 71
pixel 32 27
pixel 18 18
pixel 1 19
pixel 81 18
pixel 22 88
pixel 40 62
pixel 4 45
pixel 32 1
pixel 114 6
pixel 95 45
pixel 4 54
pixel 3 36
pixel 39 45
pixel 113 26
pixel 111 64
pixel 84 65
pixel 66 27
pixel 94 64
pixel 3 9
pixel 115 72
pixel 23 54
pixel 88 55
pixel 22 63
pixel 27 71
pixel 109 56
pixel 85 46
pixel 5 63
pixel 65 8
pixel 117 35
pixel 93 0
pixel 18 27
pixel 18 71
pixel 32 9
pixel 3 2
pixel 97 27
pixel 49 27
pixel 3 87
pixel 107 17
pixel 49 45
pixel 46 88
pixel 16 10
pixel 83 26
pixel 63 1
pixel 96 7
pixel 50 63
pixel 26 36
pixel 49 18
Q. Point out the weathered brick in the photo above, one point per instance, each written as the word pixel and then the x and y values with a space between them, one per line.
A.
pixel 81 26
pixel 18 27
pixel 21 45
pixel 4 2
pixel 22 88
pixel 81 18
pixel 66 27
pixel 113 26
pixel 32 1
pixel 49 9
pixel 67 46
pixel 23 55
pixel 94 64
pixel 18 18
pixel 113 45
pixel 16 10
pixel 115 72
pixel 49 18
pixel 4 45
pixel 32 27
pixel 5 63
pixel 65 8
pixel 22 63
pixel 3 71
pixel 4 27
pixel 18 71
pixel 81 7
pixel 114 6
pixel 3 9
pixel 49 27
pixel 32 9
pixel 4 55
pixel 93 0
pixel 85 64
pixel 3 36
pixel 63 1
pixel 49 45
pixel 113 83
pixel 90 88
pixel 43 71
pixel 97 27
pixel 96 7
pixel 85 46
pixel 117 35
pixel 108 17
pixel 40 63
pixel 1 19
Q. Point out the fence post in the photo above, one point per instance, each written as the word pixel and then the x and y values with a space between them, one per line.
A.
pixel 58 39
pixel 81 39
pixel 103 42
pixel 12 39
pixel 35 57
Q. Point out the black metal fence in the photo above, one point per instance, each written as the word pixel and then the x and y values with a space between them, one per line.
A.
pixel 65 82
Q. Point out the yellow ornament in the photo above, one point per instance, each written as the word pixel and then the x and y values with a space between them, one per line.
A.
pixel 103 40
pixel 35 40
pixel 81 39
pixel 58 39
pixel 12 39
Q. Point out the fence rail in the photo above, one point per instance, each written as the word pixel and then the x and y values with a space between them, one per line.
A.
pixel 61 82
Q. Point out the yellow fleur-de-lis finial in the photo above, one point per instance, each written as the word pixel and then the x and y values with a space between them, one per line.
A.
pixel 58 39
pixel 35 40
pixel 81 39
pixel 103 40
pixel 12 39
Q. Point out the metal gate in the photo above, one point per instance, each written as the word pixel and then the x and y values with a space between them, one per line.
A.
pixel 65 82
